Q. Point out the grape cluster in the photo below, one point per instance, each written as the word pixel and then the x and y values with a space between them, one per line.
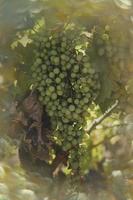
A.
pixel 110 48
pixel 113 52
pixel 67 83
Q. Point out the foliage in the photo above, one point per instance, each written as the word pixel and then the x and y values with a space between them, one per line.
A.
pixel 109 50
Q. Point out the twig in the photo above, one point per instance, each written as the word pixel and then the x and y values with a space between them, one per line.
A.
pixel 101 118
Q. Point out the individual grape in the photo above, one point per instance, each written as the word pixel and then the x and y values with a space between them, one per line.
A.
pixel 59 92
pixel 48 44
pixel 56 71
pixel 85 59
pixel 79 57
pixel 44 67
pixel 57 80
pixel 73 75
pixel 70 100
pixel 54 96
pixel 85 70
pixel 72 61
pixel 51 89
pixel 76 68
pixel 56 60
pixel 68 66
pixel 53 53
pixel 101 51
pixel 48 81
pixel 105 37
pixel 62 75
pixel 72 108
pixel 76 101
pixel 38 61
pixel 51 74
pixel 34 75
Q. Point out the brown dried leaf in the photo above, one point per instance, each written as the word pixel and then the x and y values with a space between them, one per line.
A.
pixel 33 107
pixel 35 111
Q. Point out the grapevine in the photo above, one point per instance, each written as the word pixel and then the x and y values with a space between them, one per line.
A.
pixel 69 79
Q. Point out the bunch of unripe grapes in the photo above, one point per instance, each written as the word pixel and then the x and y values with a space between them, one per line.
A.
pixel 111 47
pixel 67 83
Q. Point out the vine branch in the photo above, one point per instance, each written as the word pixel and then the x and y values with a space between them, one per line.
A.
pixel 101 118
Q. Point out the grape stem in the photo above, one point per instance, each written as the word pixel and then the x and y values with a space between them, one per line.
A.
pixel 101 118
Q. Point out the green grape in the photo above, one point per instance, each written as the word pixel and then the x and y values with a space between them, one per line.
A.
pixel 105 37
pixel 48 44
pixel 68 113
pixel 70 100
pixel 56 60
pixel 51 113
pixel 72 61
pixel 38 61
pixel 53 42
pixel 56 71
pixel 42 93
pixel 59 92
pixel 62 75
pixel 57 80
pixel 68 66
pixel 45 39
pixel 75 116
pixel 54 96
pixel 62 50
pixel 85 59
pixel 47 99
pixel 73 75
pixel 92 71
pixel 48 93
pixel 83 80
pixel 51 89
pixel 53 108
pixel 85 100
pixel 44 51
pixel 63 44
pixel 79 57
pixel 51 75
pixel 38 78
pixel 78 110
pixel 53 53
pixel 38 70
pixel 40 88
pixel 85 70
pixel 65 120
pixel 44 67
pixel 74 142
pixel 76 101
pixel 59 87
pixel 34 75
pixel 86 89
pixel 63 63
pixel 48 62
pixel 101 51
pixel 41 98
pixel 48 81
pixel 107 28
pixel 76 68
pixel 72 108
pixel 70 138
